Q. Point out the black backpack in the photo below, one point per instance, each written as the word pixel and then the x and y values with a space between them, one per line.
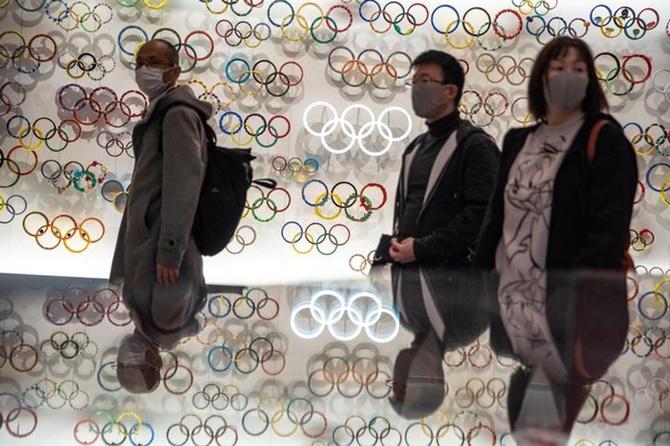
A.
pixel 228 176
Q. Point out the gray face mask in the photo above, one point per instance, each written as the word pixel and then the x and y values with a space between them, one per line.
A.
pixel 566 90
pixel 426 99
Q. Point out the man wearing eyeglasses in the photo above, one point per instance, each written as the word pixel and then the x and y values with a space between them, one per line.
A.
pixel 447 173
pixel 156 258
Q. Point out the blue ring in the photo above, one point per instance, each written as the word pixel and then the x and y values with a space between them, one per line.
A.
pixel 278 25
pixel 224 349
pixel 609 17
pixel 238 59
pixel 120 36
pixel 531 18
pixel 323 200
pixel 648 175
pixel 130 434
pixel 288 223
pixel 639 305
pixel 360 9
pixel 432 19
pixel 314 161
pixel 223 115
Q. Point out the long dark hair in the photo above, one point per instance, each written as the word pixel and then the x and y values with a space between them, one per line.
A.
pixel 594 102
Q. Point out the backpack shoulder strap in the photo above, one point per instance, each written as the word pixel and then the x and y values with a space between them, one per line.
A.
pixel 593 139
pixel 210 134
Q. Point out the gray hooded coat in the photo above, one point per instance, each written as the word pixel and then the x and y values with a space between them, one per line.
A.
pixel 156 224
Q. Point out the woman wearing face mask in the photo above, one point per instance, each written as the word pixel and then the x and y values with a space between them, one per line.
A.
pixel 555 234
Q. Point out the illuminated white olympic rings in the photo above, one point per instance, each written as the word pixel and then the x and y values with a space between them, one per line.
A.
pixel 339 125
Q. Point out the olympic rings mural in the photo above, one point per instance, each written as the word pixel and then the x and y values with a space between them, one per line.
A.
pixel 257 62
pixel 91 107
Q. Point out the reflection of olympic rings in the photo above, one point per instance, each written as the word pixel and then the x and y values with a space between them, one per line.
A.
pixel 311 240
pixel 245 357
pixel 69 346
pixel 349 375
pixel 244 236
pixel 253 301
pixel 76 237
pixel 327 308
pixel 370 65
pixel 339 126
pixel 88 309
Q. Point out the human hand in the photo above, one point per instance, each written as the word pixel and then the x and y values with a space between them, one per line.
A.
pixel 166 275
pixel 403 251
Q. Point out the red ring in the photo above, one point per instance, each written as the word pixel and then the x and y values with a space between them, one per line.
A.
pixel 274 132
pixel 627 59
pixel 291 62
pixel 604 403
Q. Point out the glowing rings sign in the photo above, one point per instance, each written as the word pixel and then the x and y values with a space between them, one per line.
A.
pixel 345 318
pixel 346 125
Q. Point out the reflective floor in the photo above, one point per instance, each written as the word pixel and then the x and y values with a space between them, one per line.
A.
pixel 410 357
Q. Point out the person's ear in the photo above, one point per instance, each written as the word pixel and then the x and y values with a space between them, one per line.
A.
pixel 452 91
pixel 171 75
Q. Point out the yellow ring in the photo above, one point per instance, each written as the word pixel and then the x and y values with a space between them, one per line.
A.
pixel 336 199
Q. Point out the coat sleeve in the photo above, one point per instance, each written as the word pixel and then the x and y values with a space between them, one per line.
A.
pixel 479 174
pixel 613 181
pixel 183 173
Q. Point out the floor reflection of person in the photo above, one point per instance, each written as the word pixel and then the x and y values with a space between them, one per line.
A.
pixel 440 307
pixel 556 235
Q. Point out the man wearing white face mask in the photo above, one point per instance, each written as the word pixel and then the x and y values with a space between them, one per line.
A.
pixel 447 172
pixel 156 259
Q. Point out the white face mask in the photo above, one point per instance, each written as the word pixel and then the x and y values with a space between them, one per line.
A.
pixel 150 80
pixel 566 90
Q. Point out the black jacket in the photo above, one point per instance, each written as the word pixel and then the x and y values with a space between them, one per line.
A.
pixel 592 201
pixel 588 236
pixel 450 220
